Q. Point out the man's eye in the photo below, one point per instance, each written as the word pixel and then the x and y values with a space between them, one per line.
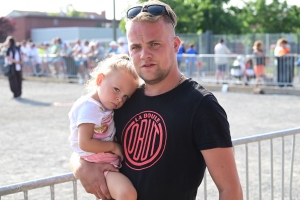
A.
pixel 134 47
pixel 126 97
pixel 117 89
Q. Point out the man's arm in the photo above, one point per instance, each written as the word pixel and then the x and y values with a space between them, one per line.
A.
pixel 222 168
pixel 91 176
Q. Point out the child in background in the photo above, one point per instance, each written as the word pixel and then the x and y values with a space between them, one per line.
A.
pixel 112 82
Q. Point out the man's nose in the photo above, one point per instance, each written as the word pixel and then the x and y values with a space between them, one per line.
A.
pixel 145 54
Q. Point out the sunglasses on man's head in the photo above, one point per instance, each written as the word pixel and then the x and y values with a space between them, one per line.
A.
pixel 154 10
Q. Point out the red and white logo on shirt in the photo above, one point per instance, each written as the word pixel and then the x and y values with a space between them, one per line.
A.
pixel 144 140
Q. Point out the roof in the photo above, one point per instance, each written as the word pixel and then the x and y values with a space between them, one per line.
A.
pixel 21 13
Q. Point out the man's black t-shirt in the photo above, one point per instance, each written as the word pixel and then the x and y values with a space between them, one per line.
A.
pixel 162 137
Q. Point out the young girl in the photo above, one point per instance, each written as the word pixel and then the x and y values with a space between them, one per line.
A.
pixel 112 82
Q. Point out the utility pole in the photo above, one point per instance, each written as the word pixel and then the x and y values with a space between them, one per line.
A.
pixel 114 21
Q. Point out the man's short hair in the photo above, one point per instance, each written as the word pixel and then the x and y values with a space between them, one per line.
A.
pixel 221 41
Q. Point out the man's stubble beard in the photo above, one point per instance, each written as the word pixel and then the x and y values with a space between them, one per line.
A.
pixel 159 76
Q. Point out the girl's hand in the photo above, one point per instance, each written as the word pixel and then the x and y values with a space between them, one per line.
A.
pixel 118 150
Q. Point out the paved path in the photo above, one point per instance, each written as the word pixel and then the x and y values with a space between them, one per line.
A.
pixel 34 129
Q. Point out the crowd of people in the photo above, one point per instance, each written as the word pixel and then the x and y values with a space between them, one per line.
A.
pixel 52 58
pixel 229 65
pixel 76 59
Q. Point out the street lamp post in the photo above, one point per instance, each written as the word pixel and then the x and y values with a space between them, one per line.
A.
pixel 114 21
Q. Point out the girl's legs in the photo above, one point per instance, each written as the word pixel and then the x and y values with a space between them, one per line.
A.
pixel 120 186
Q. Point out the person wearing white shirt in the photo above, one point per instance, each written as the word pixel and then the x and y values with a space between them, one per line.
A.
pixel 122 48
pixel 221 61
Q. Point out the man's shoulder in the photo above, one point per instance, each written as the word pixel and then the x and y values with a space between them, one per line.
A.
pixel 195 89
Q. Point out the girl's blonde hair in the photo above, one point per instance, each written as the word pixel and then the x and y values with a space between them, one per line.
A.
pixel 108 65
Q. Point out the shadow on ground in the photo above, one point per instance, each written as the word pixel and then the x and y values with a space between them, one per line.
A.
pixel 32 102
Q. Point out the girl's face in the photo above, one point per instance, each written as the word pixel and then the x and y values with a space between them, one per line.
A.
pixel 114 89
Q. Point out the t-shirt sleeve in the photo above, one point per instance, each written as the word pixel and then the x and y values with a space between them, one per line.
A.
pixel 88 112
pixel 211 127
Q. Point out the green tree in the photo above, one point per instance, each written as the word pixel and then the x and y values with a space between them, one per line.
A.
pixel 257 16
pixel 197 16
pixel 7 27
pixel 275 17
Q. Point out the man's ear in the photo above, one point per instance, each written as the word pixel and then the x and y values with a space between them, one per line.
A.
pixel 177 43
pixel 99 79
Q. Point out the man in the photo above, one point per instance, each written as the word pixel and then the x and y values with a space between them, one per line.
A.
pixel 171 128
pixel 221 61
pixel 180 53
pixel 190 60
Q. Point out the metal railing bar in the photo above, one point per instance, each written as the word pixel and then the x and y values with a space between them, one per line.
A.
pixel 266 136
pixel 25 186
pixel 292 167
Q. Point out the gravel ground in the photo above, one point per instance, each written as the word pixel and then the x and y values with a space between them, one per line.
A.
pixel 34 132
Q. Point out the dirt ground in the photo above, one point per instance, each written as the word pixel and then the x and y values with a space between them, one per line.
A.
pixel 34 129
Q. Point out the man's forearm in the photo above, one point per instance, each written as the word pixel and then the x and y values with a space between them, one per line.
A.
pixel 232 194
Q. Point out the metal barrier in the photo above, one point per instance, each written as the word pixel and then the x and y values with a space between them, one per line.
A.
pixel 272 189
pixel 240 69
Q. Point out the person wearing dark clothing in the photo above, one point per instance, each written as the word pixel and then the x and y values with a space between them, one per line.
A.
pixel 180 53
pixel 13 56
pixel 190 60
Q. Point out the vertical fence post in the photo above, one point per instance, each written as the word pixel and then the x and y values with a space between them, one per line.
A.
pixel 52 192
pixel 247 172
pixel 292 165
pixel 282 168
pixel 259 170
pixel 75 189
pixel 271 165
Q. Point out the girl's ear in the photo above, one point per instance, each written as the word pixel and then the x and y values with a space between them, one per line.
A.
pixel 99 79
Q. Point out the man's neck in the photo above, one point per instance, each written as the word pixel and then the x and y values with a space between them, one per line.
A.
pixel 168 83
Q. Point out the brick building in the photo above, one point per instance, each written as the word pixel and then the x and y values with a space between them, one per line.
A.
pixel 27 20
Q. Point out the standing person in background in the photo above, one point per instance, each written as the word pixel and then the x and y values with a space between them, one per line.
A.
pixel 26 69
pixel 259 67
pixel 284 49
pixel 99 51
pixel 180 53
pixel 221 60
pixel 171 128
pixel 190 60
pixel 113 49
pixel 14 56
pixel 285 67
pixel 35 60
pixel 122 48
pixel 278 47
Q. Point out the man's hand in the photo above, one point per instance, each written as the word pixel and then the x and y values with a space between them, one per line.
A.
pixel 118 151
pixel 91 176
